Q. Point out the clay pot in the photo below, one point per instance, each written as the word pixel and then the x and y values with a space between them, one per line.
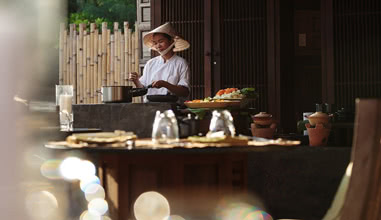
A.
pixel 318 136
pixel 263 132
pixel 318 118
pixel 263 119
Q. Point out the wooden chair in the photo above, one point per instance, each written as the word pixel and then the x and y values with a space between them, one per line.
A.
pixel 359 194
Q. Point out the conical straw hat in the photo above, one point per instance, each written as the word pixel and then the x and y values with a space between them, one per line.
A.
pixel 180 43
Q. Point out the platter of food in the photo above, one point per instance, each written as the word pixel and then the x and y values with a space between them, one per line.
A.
pixel 101 137
pixel 206 104
pixel 224 98
pixel 237 140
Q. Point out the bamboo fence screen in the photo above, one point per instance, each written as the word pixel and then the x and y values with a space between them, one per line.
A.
pixel 90 60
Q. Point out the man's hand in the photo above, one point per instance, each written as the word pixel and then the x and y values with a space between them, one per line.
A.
pixel 180 91
pixel 134 77
pixel 160 84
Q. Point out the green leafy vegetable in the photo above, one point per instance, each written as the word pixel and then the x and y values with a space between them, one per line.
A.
pixel 249 93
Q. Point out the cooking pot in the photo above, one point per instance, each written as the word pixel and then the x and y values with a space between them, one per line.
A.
pixel 117 94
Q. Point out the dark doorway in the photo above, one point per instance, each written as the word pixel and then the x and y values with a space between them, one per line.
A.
pixel 300 60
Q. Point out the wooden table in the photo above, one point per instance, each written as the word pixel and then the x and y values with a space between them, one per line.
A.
pixel 293 182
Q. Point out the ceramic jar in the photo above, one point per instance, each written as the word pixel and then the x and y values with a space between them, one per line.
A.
pixel 263 119
pixel 318 118
pixel 318 135
pixel 263 125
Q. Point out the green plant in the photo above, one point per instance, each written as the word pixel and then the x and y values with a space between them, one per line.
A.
pixel 98 11
pixel 249 93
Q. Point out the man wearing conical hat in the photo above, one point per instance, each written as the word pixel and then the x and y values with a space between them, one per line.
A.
pixel 167 73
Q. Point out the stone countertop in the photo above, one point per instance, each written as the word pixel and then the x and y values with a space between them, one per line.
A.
pixel 135 117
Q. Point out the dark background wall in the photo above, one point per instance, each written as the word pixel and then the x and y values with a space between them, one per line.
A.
pixel 295 52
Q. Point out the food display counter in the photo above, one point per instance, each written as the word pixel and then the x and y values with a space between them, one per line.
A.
pixel 291 181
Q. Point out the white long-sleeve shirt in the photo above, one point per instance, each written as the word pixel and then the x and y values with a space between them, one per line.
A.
pixel 175 71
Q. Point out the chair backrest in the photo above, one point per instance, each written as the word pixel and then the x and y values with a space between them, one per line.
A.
pixel 363 198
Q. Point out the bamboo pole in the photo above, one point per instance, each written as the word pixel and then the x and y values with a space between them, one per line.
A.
pixel 135 99
pixel 78 69
pixel 108 58
pixel 112 63
pixel 80 58
pixel 66 60
pixel 125 53
pixel 119 60
pixel 137 48
pixel 91 87
pixel 115 57
pixel 122 69
pixel 88 70
pixel 104 54
pixel 84 70
pixel 74 61
pixel 85 48
pixel 129 43
pixel 95 73
pixel 137 69
pixel 133 52
pixel 100 67
pixel 71 55
pixel 61 55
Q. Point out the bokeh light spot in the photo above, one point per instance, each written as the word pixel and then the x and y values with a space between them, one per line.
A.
pixel 98 207
pixel 88 181
pixel 69 168
pixel 86 215
pixel 258 215
pixel 41 205
pixel 235 211
pixel 94 191
pixel 50 169
pixel 175 217
pixel 87 168
pixel 151 206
